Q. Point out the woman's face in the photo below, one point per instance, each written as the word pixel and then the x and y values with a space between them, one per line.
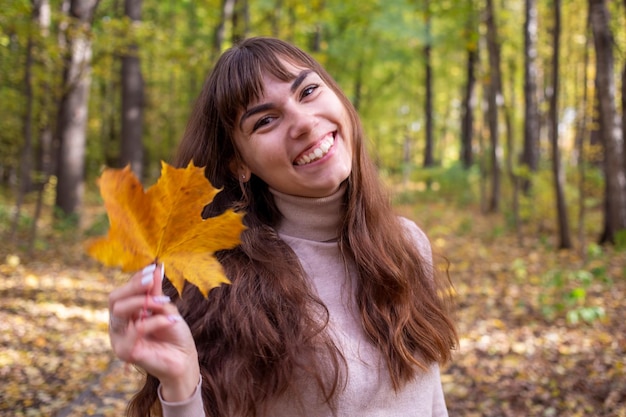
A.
pixel 297 137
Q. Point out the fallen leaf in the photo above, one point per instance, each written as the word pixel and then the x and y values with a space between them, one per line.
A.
pixel 164 225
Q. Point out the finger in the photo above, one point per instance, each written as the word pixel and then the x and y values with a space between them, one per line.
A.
pixel 139 283
pixel 123 344
pixel 136 307
pixel 126 345
pixel 124 341
pixel 157 323
pixel 157 287
pixel 117 325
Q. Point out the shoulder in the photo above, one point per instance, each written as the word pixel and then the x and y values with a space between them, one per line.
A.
pixel 418 237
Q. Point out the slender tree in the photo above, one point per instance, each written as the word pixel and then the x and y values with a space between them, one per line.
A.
pixel 610 129
pixel 240 20
pixel 493 96
pixel 530 156
pixel 428 104
pixel 132 97
pixel 509 115
pixel 624 113
pixel 227 10
pixel 559 180
pixel 582 132
pixel 42 12
pixel 469 99
pixel 624 108
pixel 72 116
pixel 26 158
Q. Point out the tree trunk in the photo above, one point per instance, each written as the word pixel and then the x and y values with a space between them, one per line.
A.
pixel 530 156
pixel 72 117
pixel 581 134
pixel 469 99
pixel 624 119
pixel 510 151
pixel 624 114
pixel 493 94
pixel 482 150
pixel 610 130
pixel 26 158
pixel 132 99
pixel 42 15
pixel 358 85
pixel 467 121
pixel 559 181
pixel 406 160
pixel 228 8
pixel 428 105
pixel 240 21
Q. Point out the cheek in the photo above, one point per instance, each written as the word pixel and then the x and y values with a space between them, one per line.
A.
pixel 348 133
pixel 264 157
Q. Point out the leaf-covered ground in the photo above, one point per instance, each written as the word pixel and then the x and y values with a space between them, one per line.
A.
pixel 518 354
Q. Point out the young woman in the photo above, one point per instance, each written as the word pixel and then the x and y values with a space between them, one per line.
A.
pixel 334 306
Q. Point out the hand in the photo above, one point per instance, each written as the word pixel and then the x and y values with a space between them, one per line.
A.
pixel 147 330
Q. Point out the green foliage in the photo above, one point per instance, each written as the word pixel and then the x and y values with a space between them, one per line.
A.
pixel 537 207
pixel 375 50
pixel 65 223
pixel 520 269
pixel 453 184
pixel 465 227
pixel 7 217
pixel 620 240
pixel 565 291
pixel 98 227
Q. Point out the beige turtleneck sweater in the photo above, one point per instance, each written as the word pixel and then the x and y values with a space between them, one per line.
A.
pixel 310 227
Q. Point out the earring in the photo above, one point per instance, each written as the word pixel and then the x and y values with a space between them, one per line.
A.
pixel 243 185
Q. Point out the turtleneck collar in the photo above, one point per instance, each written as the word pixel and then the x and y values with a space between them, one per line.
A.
pixel 317 219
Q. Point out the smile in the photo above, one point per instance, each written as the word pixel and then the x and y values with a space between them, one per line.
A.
pixel 318 152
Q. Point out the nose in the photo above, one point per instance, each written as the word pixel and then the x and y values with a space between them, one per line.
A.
pixel 301 121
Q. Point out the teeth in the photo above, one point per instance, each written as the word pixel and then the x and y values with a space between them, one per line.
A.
pixel 318 152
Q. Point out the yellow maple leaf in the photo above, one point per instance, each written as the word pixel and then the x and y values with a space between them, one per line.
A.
pixel 164 225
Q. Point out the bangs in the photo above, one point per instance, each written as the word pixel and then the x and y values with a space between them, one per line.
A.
pixel 242 82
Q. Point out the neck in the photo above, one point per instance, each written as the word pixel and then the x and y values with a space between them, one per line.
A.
pixel 317 219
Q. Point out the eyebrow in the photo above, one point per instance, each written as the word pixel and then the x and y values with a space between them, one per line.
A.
pixel 299 79
pixel 262 107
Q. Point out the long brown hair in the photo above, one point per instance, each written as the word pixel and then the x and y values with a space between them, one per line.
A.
pixel 255 335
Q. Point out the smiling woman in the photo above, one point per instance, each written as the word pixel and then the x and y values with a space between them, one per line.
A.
pixel 296 135
pixel 334 306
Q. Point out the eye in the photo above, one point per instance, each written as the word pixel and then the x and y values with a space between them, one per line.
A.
pixel 262 122
pixel 307 91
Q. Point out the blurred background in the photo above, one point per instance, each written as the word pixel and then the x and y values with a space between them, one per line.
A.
pixel 498 125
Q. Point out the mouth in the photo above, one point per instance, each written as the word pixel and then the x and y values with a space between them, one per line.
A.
pixel 318 152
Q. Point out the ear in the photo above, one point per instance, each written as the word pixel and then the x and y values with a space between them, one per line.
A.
pixel 240 170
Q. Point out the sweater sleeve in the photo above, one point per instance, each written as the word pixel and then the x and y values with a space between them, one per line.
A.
pixel 439 403
pixel 419 237
pixel 439 408
pixel 191 407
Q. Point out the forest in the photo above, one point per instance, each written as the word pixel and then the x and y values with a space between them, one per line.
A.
pixel 499 127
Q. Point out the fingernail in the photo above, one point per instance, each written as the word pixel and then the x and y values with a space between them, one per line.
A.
pixel 147 274
pixel 162 270
pixel 161 299
pixel 174 318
